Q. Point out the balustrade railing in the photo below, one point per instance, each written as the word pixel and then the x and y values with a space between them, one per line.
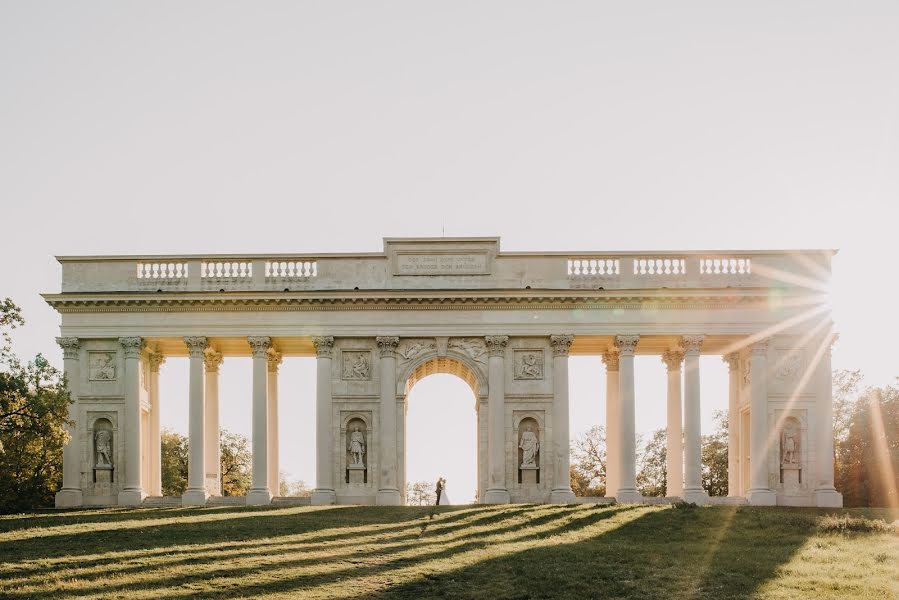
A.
pixel 226 270
pixel 593 267
pixel 725 266
pixel 291 269
pixel 660 266
pixel 162 271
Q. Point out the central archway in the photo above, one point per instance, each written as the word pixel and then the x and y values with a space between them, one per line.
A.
pixel 437 436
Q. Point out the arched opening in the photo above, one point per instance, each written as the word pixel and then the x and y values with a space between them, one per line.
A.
pixel 442 433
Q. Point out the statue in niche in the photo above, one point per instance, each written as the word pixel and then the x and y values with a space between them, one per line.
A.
pixel 102 366
pixel 530 446
pixel 102 442
pixel 357 447
pixel 530 367
pixel 790 443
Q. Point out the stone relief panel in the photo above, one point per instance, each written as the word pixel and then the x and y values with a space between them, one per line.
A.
pixel 529 364
pixel 474 348
pixel 101 366
pixel 410 349
pixel 356 365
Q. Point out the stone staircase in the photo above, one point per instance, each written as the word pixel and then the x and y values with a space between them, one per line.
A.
pixel 161 501
pixel 291 501
pixel 226 501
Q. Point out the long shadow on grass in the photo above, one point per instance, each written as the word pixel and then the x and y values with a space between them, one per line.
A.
pixel 668 553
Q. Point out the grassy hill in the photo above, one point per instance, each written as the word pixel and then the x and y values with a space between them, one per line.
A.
pixel 516 551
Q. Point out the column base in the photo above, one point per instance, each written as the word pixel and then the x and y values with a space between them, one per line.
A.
pixel 194 497
pixel 761 498
pixel 389 497
pixel 631 496
pixel 69 498
pixel 497 496
pixel 827 498
pixel 259 497
pixel 562 496
pixel 131 497
pixel 323 497
pixel 700 497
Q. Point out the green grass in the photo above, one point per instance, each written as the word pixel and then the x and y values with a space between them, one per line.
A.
pixel 516 551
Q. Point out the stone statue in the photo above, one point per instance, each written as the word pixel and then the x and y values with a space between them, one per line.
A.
pixel 530 368
pixel 102 441
pixel 530 446
pixel 790 443
pixel 360 367
pixel 357 447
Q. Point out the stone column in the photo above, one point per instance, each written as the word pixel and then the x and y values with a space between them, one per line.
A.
pixel 274 480
pixel 70 494
pixel 132 493
pixel 627 443
pixel 259 491
pixel 154 486
pixel 825 492
pixel 213 361
pixel 388 492
pixel 561 492
pixel 497 492
pixel 610 358
pixel 324 472
pixel 195 494
pixel 693 491
pixel 733 423
pixel 759 492
pixel 675 443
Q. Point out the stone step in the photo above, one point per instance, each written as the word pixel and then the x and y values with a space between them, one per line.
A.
pixel 291 501
pixel 728 501
pixel 226 501
pixel 161 501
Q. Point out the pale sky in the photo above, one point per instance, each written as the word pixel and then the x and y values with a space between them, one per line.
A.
pixel 216 127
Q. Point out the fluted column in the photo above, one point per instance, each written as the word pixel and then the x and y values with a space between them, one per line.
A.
pixel 825 492
pixel 259 492
pixel 627 443
pixel 561 492
pixel 673 359
pixel 212 360
pixel 70 494
pixel 733 423
pixel 759 492
pixel 388 492
pixel 693 491
pixel 497 492
pixel 610 358
pixel 132 493
pixel 324 472
pixel 274 481
pixel 154 486
pixel 195 494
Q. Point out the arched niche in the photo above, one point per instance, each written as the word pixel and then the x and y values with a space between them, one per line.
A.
pixel 102 448
pixel 357 450
pixel 529 448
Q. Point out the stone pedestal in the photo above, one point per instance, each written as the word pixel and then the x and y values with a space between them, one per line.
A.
pixel 390 498
pixel 529 474
pixel 321 497
pixel 762 498
pixel 69 498
pixel 828 499
pixel 791 478
pixel 629 497
pixel 700 497
pixel 259 497
pixel 357 474
pixel 196 498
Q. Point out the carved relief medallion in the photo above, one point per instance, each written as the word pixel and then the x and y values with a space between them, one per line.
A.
pixel 789 365
pixel 356 365
pixel 102 366
pixel 529 364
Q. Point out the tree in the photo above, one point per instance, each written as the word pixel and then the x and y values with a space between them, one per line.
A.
pixel 714 457
pixel 588 464
pixel 420 493
pixel 652 475
pixel 173 462
pixel 292 487
pixel 870 450
pixel 236 463
pixel 34 408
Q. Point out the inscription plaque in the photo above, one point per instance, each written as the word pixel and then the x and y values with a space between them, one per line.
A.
pixel 442 264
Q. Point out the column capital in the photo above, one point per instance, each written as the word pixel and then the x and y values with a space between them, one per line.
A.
pixel 323 345
pixel 610 359
pixel 759 348
pixel 212 359
pixel 387 345
pixel 260 345
pixel 196 345
pixel 132 346
pixel 626 344
pixel 692 343
pixel 274 360
pixel 673 359
pixel 496 344
pixel 733 361
pixel 69 347
pixel 156 361
pixel 561 344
